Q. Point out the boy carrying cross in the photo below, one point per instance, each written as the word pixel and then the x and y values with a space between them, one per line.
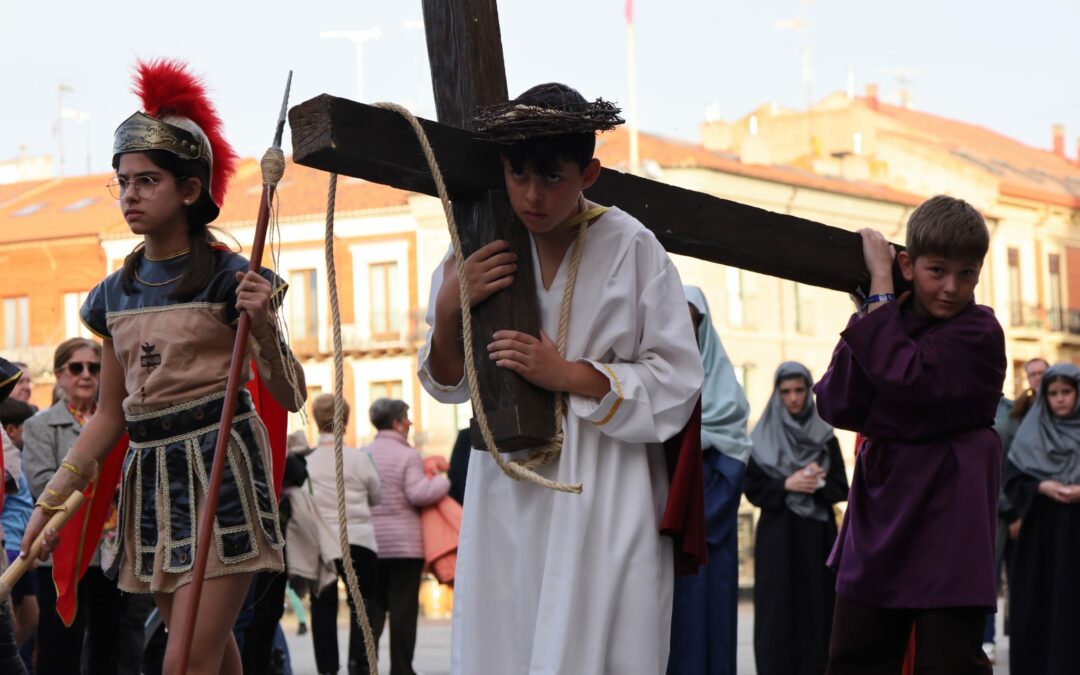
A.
pixel 919 377
pixel 551 582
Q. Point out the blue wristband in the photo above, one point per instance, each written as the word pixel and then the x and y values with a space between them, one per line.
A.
pixel 879 297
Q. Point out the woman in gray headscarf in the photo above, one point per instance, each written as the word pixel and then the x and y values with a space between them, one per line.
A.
pixel 795 475
pixel 1042 482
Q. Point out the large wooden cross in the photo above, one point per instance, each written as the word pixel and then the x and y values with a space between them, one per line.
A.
pixel 467 71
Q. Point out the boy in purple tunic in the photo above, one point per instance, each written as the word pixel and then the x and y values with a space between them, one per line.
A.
pixel 920 378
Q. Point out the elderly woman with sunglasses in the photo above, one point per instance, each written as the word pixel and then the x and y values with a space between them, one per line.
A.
pixel 47 437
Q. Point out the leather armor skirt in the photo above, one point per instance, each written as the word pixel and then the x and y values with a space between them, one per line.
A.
pixel 165 477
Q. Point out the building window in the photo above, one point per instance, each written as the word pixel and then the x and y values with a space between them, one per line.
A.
pixel 16 322
pixel 736 306
pixel 742 376
pixel 303 304
pixel 1057 320
pixel 803 315
pixel 462 415
pixel 73 325
pixel 391 389
pixel 383 289
pixel 307 422
pixel 1016 311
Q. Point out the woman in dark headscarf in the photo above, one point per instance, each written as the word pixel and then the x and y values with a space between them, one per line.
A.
pixel 795 475
pixel 1042 482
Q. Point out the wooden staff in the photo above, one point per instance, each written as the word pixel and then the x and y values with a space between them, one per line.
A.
pixel 239 361
pixel 22 564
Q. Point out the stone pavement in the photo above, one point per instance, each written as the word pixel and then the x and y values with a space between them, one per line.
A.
pixel 433 646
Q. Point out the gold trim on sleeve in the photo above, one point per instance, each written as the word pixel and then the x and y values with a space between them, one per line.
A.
pixel 13 378
pixel 618 392
pixel 91 329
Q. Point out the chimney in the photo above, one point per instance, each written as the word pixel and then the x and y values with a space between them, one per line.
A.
pixel 871 96
pixel 1059 140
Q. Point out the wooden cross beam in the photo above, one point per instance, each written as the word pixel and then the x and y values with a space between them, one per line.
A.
pixel 339 135
pixel 467 71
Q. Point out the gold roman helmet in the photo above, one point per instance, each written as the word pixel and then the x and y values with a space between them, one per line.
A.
pixel 178 118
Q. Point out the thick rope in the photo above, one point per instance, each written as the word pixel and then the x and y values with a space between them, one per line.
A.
pixel 273 166
pixel 339 435
pixel 516 469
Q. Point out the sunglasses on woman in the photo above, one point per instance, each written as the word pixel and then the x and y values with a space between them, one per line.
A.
pixel 75 368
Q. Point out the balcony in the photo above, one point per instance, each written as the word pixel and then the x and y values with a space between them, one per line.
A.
pixel 359 337
pixel 38 357
pixel 1072 325
pixel 1037 318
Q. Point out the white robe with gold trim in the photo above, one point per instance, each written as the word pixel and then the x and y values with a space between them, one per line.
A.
pixel 550 582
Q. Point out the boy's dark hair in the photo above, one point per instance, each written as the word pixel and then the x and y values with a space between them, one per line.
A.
pixel 200 262
pixel 14 412
pixel 947 227
pixel 543 153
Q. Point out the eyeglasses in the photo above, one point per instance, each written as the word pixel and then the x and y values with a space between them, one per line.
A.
pixel 75 368
pixel 144 186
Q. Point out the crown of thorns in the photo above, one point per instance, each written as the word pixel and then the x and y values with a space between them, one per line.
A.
pixel 513 121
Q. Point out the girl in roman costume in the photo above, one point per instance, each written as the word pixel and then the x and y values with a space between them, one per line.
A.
pixel 795 475
pixel 167 321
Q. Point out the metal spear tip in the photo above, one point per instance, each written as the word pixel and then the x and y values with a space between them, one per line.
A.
pixel 280 131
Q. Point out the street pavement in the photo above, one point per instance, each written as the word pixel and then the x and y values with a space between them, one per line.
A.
pixel 433 646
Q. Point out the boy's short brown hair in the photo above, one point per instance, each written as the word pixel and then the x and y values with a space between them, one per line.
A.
pixel 947 227
pixel 322 409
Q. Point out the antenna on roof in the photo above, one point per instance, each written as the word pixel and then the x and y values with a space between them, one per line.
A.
pixel 905 78
pixel 801 26
pixel 358 38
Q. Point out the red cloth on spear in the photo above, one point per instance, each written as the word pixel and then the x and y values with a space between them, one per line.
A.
pixel 80 535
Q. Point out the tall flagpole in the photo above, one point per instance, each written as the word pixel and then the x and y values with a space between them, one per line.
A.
pixel 631 65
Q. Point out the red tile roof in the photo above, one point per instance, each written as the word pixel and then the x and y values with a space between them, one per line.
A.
pixel 1022 171
pixel 80 206
pixel 613 149
pixel 9 191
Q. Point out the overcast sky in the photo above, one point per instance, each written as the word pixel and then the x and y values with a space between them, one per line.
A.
pixel 1013 67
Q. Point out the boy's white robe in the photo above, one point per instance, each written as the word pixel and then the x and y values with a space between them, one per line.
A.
pixel 550 582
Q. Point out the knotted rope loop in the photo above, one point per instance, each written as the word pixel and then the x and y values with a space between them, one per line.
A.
pixel 273 166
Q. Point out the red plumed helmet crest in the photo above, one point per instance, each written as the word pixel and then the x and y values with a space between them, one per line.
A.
pixel 169 91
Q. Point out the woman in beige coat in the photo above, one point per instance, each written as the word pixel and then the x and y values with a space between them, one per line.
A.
pixel 362 491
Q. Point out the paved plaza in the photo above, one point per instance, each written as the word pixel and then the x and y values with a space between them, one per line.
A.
pixel 433 646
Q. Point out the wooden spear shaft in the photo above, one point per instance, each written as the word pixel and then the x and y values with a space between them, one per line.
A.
pixel 236 369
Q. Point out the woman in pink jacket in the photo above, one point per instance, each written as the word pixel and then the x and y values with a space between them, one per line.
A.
pixel 405 489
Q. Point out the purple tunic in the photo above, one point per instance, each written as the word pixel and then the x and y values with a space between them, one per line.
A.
pixel 919 527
